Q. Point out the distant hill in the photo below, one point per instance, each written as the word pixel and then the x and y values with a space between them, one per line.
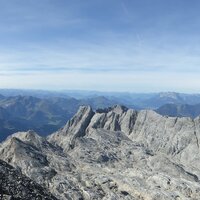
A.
pixel 163 98
pixel 130 99
pixel 181 110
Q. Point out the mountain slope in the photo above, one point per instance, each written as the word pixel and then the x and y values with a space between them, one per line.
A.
pixel 14 185
pixel 113 153
pixel 181 110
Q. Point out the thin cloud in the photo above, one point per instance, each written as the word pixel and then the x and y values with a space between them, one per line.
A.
pixel 98 58
pixel 135 82
pixel 132 46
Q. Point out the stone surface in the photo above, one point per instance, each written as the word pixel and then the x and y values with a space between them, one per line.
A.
pixel 114 153
pixel 14 185
pixel 74 128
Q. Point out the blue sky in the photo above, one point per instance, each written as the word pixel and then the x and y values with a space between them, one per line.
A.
pixel 108 45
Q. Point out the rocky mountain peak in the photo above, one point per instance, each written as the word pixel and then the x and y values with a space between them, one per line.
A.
pixel 74 128
pixel 117 118
pixel 83 115
pixel 113 153
pixel 116 108
pixel 30 137
pixel 119 109
pixel 27 136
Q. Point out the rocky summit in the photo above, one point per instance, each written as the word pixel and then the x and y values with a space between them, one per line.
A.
pixel 113 153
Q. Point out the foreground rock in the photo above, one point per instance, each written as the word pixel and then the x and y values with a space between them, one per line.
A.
pixel 114 153
pixel 14 185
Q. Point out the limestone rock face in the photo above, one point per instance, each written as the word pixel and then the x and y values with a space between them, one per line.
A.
pixel 175 137
pixel 42 162
pixel 113 153
pixel 74 128
pixel 119 118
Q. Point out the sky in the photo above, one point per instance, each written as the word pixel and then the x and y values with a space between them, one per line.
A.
pixel 105 45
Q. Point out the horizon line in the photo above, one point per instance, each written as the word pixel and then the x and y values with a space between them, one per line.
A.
pixel 96 91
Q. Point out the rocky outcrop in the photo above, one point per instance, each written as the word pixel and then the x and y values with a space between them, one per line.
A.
pixel 14 185
pixel 74 128
pixel 118 118
pixel 176 137
pixel 42 162
pixel 114 153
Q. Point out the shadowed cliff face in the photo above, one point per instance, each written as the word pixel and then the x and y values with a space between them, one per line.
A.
pixel 114 153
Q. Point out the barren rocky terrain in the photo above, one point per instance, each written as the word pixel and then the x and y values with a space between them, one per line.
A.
pixel 113 153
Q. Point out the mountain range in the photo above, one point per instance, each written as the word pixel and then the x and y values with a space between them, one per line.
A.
pixel 179 110
pixel 111 153
pixel 44 115
pixel 136 100
pixel 46 112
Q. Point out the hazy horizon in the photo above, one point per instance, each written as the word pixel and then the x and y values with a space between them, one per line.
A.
pixel 117 45
pixel 66 91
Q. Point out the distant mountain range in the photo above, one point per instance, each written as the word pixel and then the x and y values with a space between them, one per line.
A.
pixel 156 100
pixel 133 100
pixel 47 111
pixel 180 110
